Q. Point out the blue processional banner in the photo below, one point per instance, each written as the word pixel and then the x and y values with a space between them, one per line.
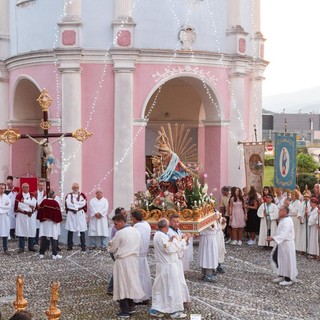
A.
pixel 285 161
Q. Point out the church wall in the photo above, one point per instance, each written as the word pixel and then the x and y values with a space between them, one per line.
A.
pixel 164 19
pixel 33 27
pixel 97 35
pixel 97 151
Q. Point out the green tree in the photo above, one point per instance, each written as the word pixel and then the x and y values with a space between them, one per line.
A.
pixel 306 163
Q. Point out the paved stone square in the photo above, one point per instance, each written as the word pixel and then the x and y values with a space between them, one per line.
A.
pixel 245 291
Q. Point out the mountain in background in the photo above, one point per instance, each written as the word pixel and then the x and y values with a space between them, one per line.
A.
pixel 308 100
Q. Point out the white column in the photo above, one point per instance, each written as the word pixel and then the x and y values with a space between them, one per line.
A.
pixel 4 87
pixel 122 8
pixel 234 13
pixel 256 15
pixel 72 10
pixel 123 131
pixel 71 120
pixel 237 129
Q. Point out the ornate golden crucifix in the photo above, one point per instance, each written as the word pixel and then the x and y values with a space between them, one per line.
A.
pixel 10 136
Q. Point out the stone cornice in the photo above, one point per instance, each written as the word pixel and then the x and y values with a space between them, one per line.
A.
pixel 4 75
pixel 142 56
pixel 218 123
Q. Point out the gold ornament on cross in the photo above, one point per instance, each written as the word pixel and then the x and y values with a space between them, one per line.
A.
pixel 81 134
pixel 44 100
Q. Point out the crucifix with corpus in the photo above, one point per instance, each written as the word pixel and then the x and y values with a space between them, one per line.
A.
pixel 10 136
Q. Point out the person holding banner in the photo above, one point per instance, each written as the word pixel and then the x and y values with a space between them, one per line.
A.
pixel 268 213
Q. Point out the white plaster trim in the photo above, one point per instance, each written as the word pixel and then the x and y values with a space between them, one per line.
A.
pixel 188 123
pixel 140 122
pixel 24 2
pixel 169 72
pixel 218 123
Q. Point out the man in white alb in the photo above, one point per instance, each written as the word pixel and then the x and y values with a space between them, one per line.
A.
pixel 98 224
pixel 5 205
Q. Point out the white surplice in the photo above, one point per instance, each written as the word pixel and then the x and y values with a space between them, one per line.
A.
pixel 40 195
pixel 12 195
pixel 294 210
pixel 313 232
pixel 187 254
pixel 125 247
pixel 5 205
pixel 284 238
pixel 302 244
pixel 182 261
pixel 98 227
pixel 219 226
pixel 166 290
pixel 144 271
pixel 76 221
pixel 208 249
pixel 25 225
pixel 273 214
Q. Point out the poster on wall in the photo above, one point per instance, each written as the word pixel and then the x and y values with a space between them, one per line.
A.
pixel 285 161
pixel 254 160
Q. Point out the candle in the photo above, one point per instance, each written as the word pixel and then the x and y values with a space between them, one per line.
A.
pixel 147 204
pixel 163 205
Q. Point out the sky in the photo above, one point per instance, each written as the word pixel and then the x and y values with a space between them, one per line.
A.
pixel 291 28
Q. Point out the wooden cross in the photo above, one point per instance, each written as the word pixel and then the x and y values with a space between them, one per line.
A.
pixel 10 136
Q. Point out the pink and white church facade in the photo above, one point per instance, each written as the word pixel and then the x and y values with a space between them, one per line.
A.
pixel 121 69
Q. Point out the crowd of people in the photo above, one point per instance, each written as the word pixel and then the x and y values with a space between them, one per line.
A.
pixel 257 215
pixel 286 222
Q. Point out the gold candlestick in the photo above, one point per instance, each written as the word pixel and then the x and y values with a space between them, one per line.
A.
pixel 21 303
pixel 53 312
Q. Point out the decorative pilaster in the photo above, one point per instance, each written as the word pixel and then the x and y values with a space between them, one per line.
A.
pixel 123 25
pixel 123 128
pixel 237 37
pixel 69 66
pixel 237 126
pixel 70 26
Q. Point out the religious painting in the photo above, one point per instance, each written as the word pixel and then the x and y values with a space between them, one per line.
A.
pixel 285 161
pixel 254 164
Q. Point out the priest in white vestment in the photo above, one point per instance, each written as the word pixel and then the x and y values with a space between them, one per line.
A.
pixel 303 216
pixel 268 214
pixel 76 208
pixel 125 247
pixel 98 224
pixel 5 205
pixel 313 232
pixel 285 252
pixel 144 272
pixel 184 255
pixel 208 258
pixel 166 290
pixel 24 207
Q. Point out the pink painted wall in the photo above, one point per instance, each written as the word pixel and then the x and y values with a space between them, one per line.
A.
pixel 139 156
pixel 97 151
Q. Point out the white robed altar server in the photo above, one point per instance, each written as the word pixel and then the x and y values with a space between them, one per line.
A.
pixel 268 213
pixel 98 224
pixel 11 192
pixel 220 224
pixel 303 219
pixel 76 208
pixel 186 246
pixel 166 290
pixel 144 271
pixel 125 246
pixel 5 204
pixel 25 205
pixel 286 256
pixel 208 258
pixel 295 207
pixel 313 225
